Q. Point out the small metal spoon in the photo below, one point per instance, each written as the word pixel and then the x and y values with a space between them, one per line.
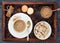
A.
pixel 58 9
pixel 28 25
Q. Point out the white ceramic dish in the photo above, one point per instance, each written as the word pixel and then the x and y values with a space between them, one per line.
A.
pixel 49 32
pixel 23 17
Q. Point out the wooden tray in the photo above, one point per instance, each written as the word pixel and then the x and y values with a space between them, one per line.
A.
pixel 6 36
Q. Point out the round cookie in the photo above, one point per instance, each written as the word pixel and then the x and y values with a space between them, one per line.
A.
pixel 24 8
pixel 30 11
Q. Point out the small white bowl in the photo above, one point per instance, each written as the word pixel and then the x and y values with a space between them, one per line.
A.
pixel 49 33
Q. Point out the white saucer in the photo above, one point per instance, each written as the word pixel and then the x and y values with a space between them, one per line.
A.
pixel 23 34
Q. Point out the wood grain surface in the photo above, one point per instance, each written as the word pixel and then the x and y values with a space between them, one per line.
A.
pixel 6 36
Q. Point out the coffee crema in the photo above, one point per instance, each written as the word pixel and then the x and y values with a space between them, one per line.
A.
pixel 46 12
pixel 19 25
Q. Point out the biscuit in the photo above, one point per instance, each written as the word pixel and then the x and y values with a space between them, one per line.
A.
pixel 24 8
pixel 30 11
pixel 10 10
